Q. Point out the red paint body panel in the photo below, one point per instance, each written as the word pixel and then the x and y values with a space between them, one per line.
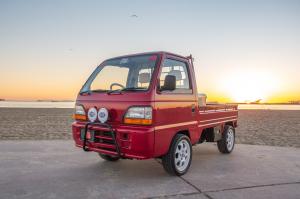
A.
pixel 172 113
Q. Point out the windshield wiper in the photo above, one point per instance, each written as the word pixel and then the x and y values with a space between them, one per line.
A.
pixel 99 91
pixel 134 89
pixel 126 89
pixel 112 91
pixel 88 92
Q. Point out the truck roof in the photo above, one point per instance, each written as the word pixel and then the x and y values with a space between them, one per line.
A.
pixel 153 52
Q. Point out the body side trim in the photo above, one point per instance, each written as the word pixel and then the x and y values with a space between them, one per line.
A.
pixel 174 125
pixel 201 125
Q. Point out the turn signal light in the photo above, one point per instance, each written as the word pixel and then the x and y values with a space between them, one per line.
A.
pixel 137 121
pixel 79 117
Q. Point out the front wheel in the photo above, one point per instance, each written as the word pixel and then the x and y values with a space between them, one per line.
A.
pixel 179 157
pixel 226 144
pixel 109 157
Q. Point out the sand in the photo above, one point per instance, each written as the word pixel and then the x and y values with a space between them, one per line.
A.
pixel 269 127
pixel 35 123
pixel 260 127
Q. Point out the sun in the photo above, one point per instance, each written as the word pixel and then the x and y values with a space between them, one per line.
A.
pixel 246 93
pixel 250 86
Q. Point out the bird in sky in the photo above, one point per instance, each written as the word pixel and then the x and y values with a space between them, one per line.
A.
pixel 133 16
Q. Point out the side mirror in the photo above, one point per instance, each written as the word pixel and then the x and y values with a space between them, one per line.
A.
pixel 170 83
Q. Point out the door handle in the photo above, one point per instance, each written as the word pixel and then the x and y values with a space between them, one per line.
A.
pixel 193 108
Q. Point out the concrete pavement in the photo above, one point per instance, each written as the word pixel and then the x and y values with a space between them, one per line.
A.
pixel 56 169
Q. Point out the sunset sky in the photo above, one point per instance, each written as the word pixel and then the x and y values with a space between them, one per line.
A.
pixel 243 50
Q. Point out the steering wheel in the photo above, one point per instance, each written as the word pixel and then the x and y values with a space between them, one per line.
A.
pixel 116 84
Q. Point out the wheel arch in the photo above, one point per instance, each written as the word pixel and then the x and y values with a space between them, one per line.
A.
pixel 184 132
pixel 232 123
pixel 171 138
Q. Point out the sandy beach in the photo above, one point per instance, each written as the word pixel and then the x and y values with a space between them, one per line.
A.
pixel 260 127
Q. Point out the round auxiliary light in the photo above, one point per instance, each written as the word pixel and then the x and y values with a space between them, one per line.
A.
pixel 102 115
pixel 92 114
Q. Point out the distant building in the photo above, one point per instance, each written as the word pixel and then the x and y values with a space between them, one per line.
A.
pixel 294 102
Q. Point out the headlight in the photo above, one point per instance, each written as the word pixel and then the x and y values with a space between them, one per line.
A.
pixel 79 113
pixel 138 115
pixel 103 115
pixel 92 114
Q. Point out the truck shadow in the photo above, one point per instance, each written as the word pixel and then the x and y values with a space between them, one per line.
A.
pixel 150 169
pixel 129 169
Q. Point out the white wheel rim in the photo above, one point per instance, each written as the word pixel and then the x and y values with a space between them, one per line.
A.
pixel 230 139
pixel 182 155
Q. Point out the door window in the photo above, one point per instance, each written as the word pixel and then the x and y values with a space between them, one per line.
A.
pixel 180 71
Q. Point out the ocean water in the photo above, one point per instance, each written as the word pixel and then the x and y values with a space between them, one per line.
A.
pixel 270 106
pixel 19 104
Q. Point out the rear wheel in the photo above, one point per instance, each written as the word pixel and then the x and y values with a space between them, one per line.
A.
pixel 178 159
pixel 226 144
pixel 109 157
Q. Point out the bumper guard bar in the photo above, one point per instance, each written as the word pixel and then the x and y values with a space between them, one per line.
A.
pixel 113 135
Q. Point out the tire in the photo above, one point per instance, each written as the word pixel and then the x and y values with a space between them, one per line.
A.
pixel 226 144
pixel 179 157
pixel 109 157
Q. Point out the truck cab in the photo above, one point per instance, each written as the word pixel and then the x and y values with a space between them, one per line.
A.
pixel 145 106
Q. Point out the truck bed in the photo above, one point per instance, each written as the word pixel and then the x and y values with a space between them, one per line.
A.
pixel 217 114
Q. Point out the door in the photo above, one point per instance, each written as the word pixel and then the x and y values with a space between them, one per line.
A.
pixel 174 110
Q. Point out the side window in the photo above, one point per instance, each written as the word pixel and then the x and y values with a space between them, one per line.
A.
pixel 180 71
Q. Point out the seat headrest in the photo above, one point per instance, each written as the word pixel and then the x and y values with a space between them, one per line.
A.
pixel 176 73
pixel 144 78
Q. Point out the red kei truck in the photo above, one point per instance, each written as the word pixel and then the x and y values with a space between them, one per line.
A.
pixel 145 106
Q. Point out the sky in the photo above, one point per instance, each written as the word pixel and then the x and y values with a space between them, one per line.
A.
pixel 243 50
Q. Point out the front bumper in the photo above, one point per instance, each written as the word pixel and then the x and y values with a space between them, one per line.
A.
pixel 135 142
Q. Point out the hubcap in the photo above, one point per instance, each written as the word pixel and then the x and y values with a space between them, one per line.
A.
pixel 182 155
pixel 230 139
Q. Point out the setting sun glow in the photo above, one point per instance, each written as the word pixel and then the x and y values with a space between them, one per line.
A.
pixel 251 86
pixel 243 51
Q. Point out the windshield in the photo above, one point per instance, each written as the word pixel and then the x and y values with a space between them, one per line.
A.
pixel 126 73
